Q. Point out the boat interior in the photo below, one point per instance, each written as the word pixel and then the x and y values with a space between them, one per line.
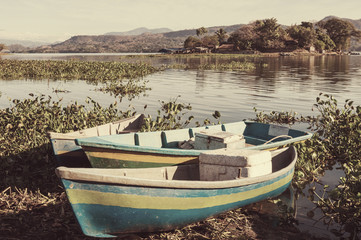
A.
pixel 253 133
pixel 281 158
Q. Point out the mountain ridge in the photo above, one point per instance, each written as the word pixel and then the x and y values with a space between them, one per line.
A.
pixel 139 31
pixel 145 41
pixel 111 42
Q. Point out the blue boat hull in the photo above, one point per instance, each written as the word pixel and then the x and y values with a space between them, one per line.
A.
pixel 105 210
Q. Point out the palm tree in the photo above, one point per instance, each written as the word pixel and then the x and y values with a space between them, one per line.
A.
pixel 222 35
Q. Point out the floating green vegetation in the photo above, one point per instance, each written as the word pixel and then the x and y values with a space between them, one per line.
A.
pixel 112 74
pixel 130 88
pixel 213 61
pixel 178 66
pixel 73 70
pixel 228 66
pixel 193 55
pixel 57 90
pixel 233 66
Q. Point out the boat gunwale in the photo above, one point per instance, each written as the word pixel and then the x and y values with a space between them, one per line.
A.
pixel 78 134
pixel 86 175
pixel 176 151
pixel 83 142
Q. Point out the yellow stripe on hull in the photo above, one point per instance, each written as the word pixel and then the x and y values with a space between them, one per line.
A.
pixel 78 196
pixel 138 156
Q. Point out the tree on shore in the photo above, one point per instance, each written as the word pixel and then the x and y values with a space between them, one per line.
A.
pixel 270 34
pixel 323 41
pixel 210 41
pixel 192 42
pixel 201 31
pixel 262 35
pixel 304 34
pixel 243 38
pixel 340 31
pixel 267 35
pixel 206 41
pixel 221 35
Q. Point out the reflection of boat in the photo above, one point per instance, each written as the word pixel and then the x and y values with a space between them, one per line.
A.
pixel 107 202
pixel 67 153
pixel 161 148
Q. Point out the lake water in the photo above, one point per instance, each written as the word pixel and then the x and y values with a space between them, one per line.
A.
pixel 285 84
pixel 277 83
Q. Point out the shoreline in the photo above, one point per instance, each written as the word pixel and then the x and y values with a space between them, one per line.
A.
pixel 245 52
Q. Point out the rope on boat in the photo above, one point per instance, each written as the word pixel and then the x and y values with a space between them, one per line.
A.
pixel 286 136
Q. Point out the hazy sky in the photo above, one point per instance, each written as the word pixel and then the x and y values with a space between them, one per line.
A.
pixel 57 20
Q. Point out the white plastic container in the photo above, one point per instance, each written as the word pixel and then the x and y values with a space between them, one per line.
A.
pixel 209 140
pixel 228 164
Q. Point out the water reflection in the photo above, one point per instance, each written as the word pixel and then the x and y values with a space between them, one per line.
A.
pixel 277 83
pixel 336 68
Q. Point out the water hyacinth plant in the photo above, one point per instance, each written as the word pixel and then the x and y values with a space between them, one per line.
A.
pixel 129 89
pixel 232 66
pixel 339 130
pixel 173 112
pixel 71 70
pixel 171 116
pixel 214 61
pixel 120 78
pixel 25 152
pixel 336 141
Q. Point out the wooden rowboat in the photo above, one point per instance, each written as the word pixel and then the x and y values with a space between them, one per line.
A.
pixel 109 202
pixel 67 153
pixel 161 148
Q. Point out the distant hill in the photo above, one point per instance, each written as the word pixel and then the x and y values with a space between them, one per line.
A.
pixel 139 31
pixel 146 41
pixel 112 43
pixel 140 40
